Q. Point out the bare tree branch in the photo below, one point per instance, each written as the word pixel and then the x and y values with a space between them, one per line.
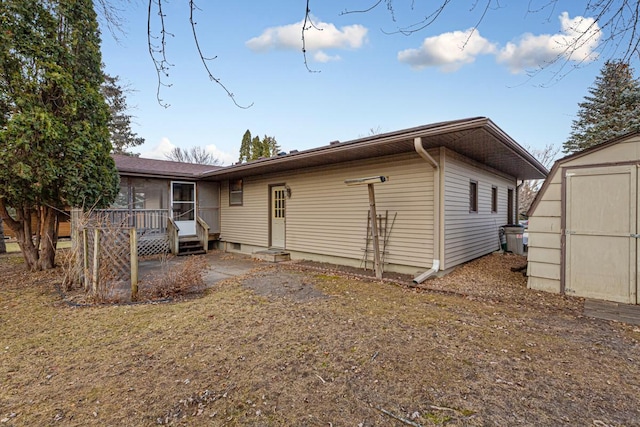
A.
pixel 196 154
pixel 614 32
pixel 111 16
pixel 369 9
pixel 192 7
pixel 421 25
pixel 161 65
pixel 306 26
pixel 157 49
pixel 527 193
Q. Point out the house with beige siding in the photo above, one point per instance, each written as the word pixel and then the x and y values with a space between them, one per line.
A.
pixel 448 189
pixel 583 224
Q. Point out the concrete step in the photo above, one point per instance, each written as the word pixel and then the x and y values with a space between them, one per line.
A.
pixel 272 255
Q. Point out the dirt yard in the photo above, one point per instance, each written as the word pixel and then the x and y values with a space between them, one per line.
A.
pixel 304 345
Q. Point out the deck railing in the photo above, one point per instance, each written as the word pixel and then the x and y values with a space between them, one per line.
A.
pixel 202 231
pixel 145 221
pixel 151 225
pixel 172 235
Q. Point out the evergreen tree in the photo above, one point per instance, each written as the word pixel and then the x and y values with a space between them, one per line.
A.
pixel 54 138
pixel 270 146
pixel 612 108
pixel 256 148
pixel 245 147
pixel 122 137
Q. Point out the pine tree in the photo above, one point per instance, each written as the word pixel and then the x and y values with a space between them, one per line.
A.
pixel 122 137
pixel 245 147
pixel 270 146
pixel 612 108
pixel 54 138
pixel 256 148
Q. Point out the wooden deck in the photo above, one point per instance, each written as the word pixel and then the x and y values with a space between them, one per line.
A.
pixel 627 313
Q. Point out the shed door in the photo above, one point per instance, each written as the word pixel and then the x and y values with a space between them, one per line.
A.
pixel 601 223
pixel 278 216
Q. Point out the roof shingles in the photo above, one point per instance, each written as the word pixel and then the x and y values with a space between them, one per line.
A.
pixel 132 165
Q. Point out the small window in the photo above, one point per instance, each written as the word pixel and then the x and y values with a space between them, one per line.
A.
pixel 235 192
pixel 473 196
pixel 494 199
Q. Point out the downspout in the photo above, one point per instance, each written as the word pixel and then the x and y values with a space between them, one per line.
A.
pixel 435 265
pixel 518 186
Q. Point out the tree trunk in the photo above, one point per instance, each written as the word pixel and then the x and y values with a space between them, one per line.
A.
pixel 3 246
pixel 24 234
pixel 49 238
pixel 21 227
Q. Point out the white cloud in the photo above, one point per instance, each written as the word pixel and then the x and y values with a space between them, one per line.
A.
pixel 223 156
pixel 165 147
pixel 577 41
pixel 447 51
pixel 321 56
pixel 321 35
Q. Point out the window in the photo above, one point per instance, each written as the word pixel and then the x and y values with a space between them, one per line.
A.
pixel 473 196
pixel 122 199
pixel 235 192
pixel 494 199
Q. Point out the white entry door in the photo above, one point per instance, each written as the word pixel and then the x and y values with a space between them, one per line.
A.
pixel 183 207
pixel 278 216
pixel 601 238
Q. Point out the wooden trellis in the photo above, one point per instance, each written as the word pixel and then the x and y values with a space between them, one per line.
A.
pixel 156 244
pixel 110 261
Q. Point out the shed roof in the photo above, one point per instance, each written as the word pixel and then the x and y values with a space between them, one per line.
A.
pixel 477 138
pixel 586 152
pixel 138 166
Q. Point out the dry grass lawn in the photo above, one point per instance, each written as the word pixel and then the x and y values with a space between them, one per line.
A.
pixel 291 346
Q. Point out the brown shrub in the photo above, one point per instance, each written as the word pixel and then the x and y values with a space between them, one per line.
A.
pixel 176 278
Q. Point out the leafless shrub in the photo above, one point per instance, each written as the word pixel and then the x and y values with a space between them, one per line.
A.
pixel 71 266
pixel 176 279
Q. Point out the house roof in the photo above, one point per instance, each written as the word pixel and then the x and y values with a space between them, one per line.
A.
pixel 137 166
pixel 477 138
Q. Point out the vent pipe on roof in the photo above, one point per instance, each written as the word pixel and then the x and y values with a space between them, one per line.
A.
pixel 334 142
pixel 435 265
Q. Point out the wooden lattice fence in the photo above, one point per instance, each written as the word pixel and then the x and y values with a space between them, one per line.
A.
pixel 110 262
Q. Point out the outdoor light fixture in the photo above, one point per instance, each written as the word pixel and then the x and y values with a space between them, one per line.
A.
pixel 368 180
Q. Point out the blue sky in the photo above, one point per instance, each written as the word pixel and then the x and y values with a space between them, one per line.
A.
pixel 368 79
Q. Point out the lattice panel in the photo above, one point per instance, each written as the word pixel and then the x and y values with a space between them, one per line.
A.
pixel 114 273
pixel 153 245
